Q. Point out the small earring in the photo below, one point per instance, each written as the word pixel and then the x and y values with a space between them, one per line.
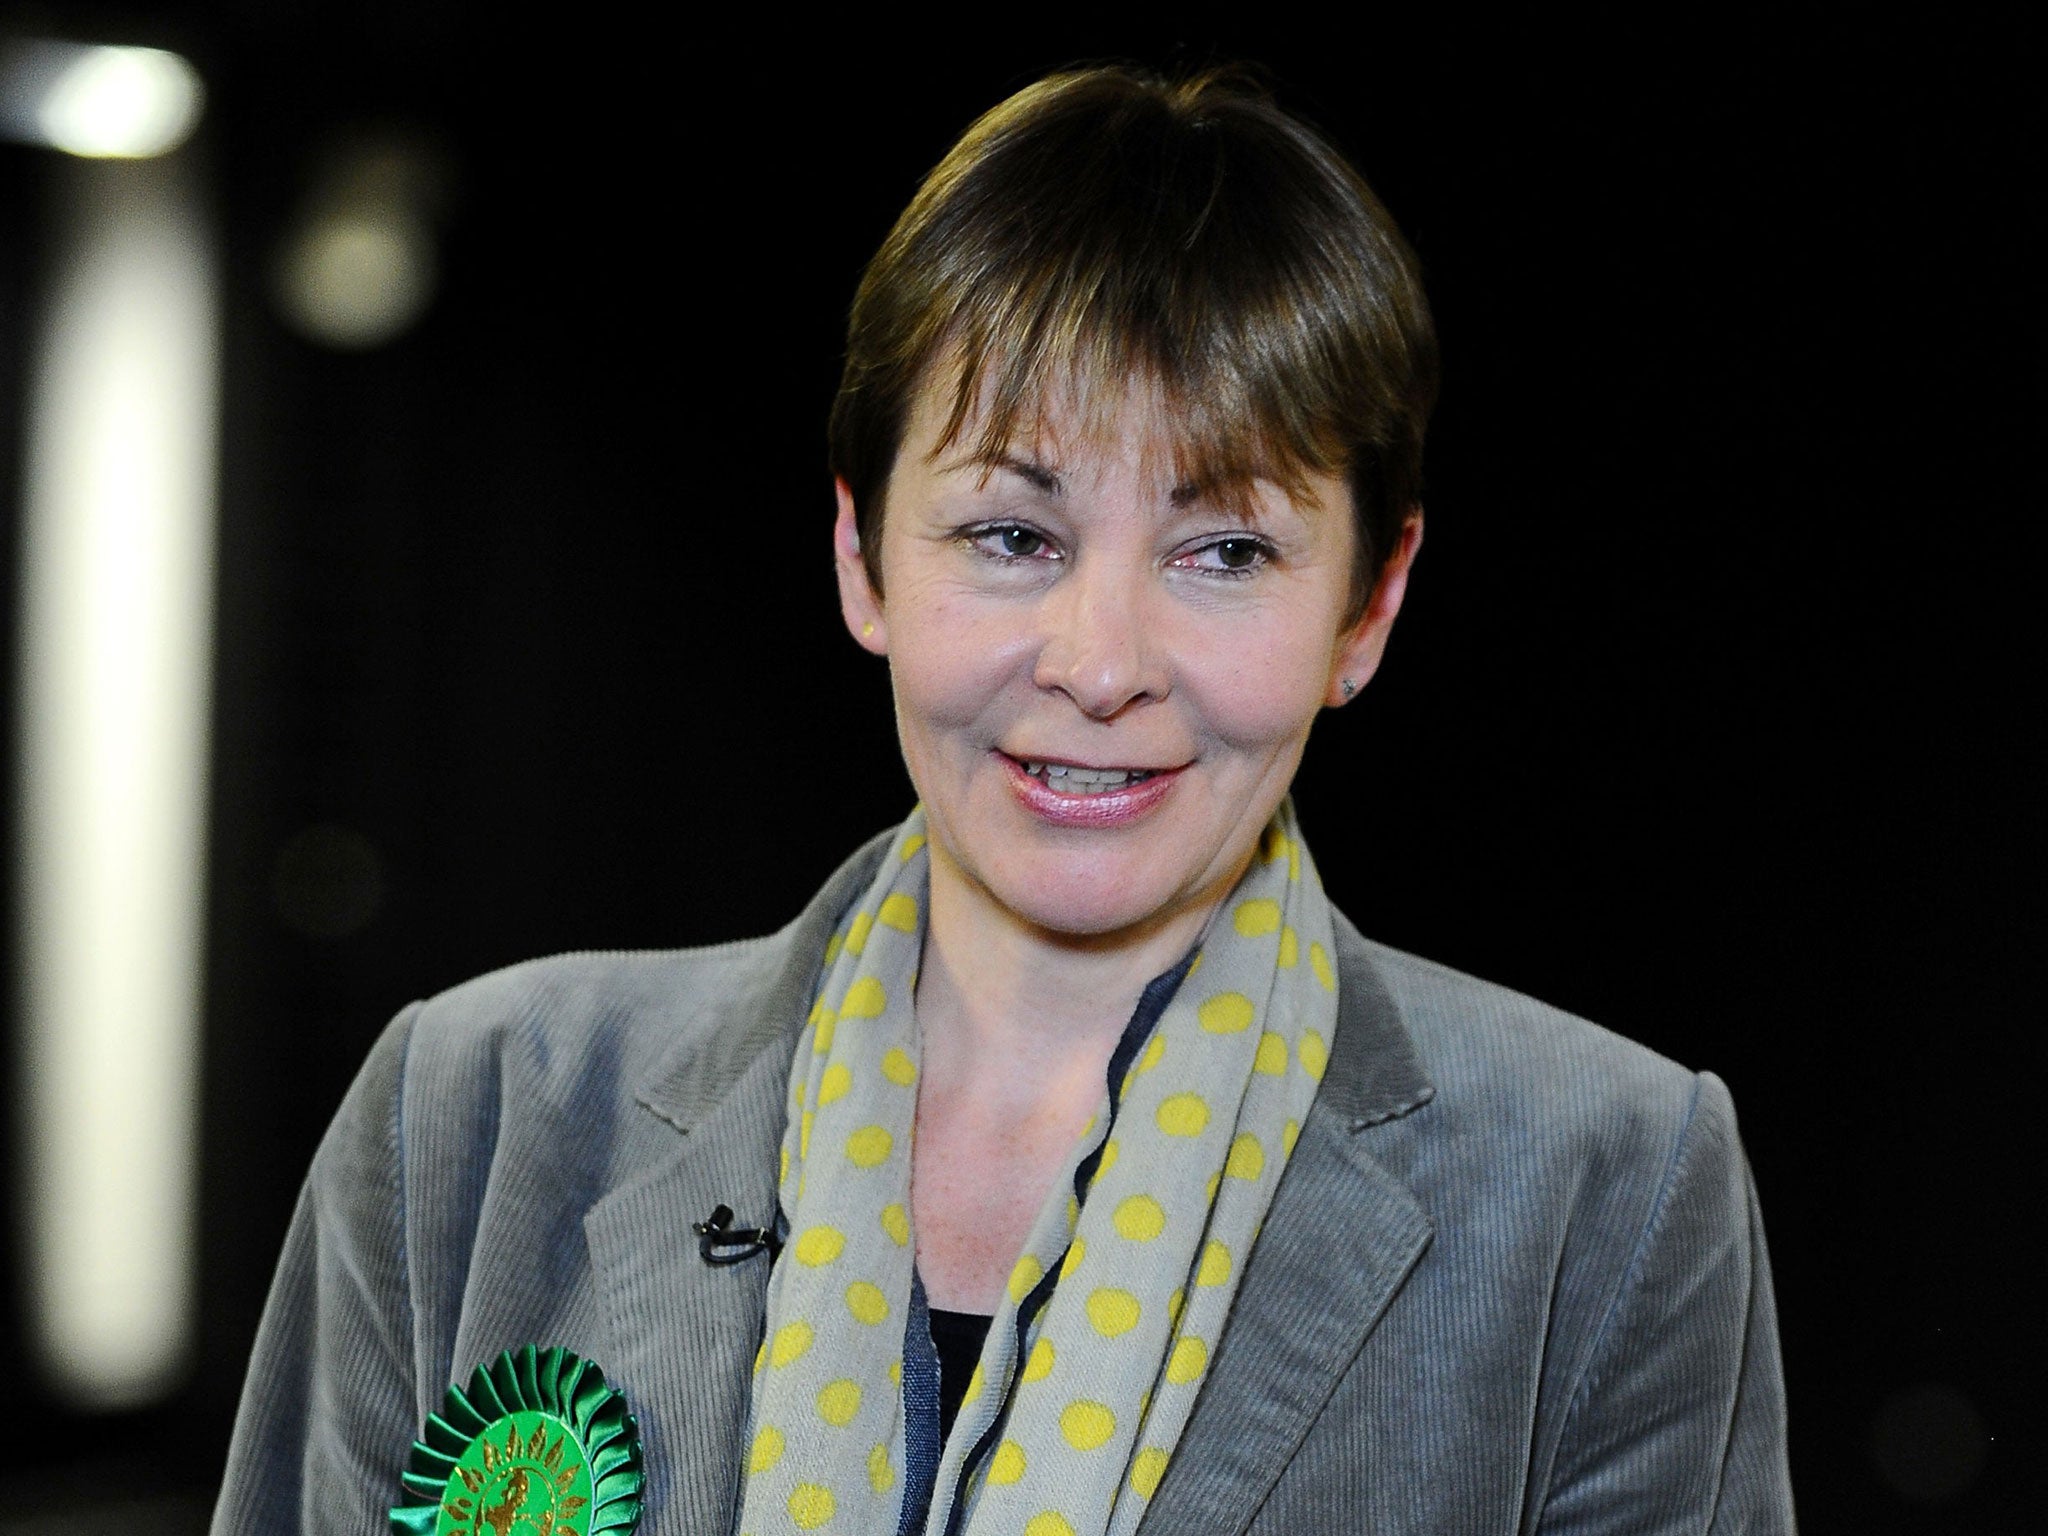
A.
pixel 867 632
pixel 1350 688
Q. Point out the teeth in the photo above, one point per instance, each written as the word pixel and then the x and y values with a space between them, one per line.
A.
pixel 1085 781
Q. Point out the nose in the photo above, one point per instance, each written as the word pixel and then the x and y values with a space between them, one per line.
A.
pixel 1101 644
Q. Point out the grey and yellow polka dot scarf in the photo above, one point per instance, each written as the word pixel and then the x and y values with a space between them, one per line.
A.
pixel 1115 1308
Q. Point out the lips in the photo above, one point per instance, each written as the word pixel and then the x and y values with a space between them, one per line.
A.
pixel 1076 795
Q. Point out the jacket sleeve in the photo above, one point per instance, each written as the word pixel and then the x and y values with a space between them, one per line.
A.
pixel 1678 1424
pixel 328 1410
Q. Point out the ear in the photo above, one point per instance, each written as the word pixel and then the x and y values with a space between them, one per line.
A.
pixel 859 604
pixel 1359 650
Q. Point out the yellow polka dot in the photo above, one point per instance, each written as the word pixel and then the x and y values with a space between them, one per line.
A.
pixel 810 1506
pixel 1076 1251
pixel 1272 1055
pixel 865 999
pixel 767 1449
pixel 1189 1359
pixel 1007 1465
pixel 760 1355
pixel 881 1476
pixel 1110 1153
pixel 896 1222
pixel 1073 1213
pixel 1149 1057
pixel 910 846
pixel 1290 949
pixel 1247 1157
pixel 832 1087
pixel 1086 1424
pixel 803 1134
pixel 1315 1056
pixel 866 1302
pixel 820 1246
pixel 1185 1114
pixel 832 947
pixel 869 1147
pixel 1275 843
pixel 827 1031
pixel 857 932
pixel 1039 1366
pixel 1046 1523
pixel 896 1372
pixel 1195 964
pixel 1173 1305
pixel 1214 1179
pixel 1026 1273
pixel 838 1402
pixel 973 1385
pixel 1289 1135
pixel 1147 1467
pixel 1112 1311
pixel 1226 1013
pixel 899 912
pixel 1258 916
pixel 1215 1266
pixel 1140 1218
pixel 792 1342
pixel 898 1067
pixel 1319 962
pixel 783 1177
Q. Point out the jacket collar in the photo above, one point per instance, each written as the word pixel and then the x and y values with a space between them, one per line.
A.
pixel 685 1330
pixel 762 1003
pixel 1341 1236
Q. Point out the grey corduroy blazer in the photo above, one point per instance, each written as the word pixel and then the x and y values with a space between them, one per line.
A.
pixel 1512 1281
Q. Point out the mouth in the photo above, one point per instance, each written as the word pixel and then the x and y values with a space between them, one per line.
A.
pixel 1070 779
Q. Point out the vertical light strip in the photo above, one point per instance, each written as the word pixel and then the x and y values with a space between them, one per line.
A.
pixel 116 654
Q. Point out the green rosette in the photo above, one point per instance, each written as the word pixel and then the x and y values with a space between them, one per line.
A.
pixel 538 1444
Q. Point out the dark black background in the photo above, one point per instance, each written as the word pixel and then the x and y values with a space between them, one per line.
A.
pixel 1713 715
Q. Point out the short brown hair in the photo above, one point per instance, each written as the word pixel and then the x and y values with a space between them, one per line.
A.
pixel 1105 225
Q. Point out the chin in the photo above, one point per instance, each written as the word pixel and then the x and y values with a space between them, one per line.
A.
pixel 1087 896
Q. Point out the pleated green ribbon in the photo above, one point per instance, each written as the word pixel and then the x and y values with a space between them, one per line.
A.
pixel 538 1444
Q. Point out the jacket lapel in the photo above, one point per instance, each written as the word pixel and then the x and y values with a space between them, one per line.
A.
pixel 1341 1236
pixel 685 1331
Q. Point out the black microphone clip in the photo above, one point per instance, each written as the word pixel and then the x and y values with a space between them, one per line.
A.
pixel 719 1242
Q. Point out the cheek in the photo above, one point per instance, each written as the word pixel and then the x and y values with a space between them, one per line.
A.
pixel 1262 687
pixel 950 666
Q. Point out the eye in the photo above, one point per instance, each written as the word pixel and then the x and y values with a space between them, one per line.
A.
pixel 1010 541
pixel 1238 555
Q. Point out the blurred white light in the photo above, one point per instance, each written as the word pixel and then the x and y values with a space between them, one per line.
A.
pixel 102 102
pixel 116 651
pixel 356 278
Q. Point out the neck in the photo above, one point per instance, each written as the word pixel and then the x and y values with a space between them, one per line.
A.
pixel 997 995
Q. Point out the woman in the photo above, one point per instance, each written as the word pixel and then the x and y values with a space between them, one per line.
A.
pixel 1070 1165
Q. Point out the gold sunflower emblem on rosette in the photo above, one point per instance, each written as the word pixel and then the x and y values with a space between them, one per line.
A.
pixel 537 1444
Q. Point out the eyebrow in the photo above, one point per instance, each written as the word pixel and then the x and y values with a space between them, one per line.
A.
pixel 1042 478
pixel 1032 473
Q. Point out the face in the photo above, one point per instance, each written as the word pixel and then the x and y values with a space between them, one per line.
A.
pixel 1104 679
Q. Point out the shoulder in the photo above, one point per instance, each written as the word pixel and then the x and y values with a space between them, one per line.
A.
pixel 1510 1054
pixel 590 1039
pixel 1521 1102
pixel 559 1023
